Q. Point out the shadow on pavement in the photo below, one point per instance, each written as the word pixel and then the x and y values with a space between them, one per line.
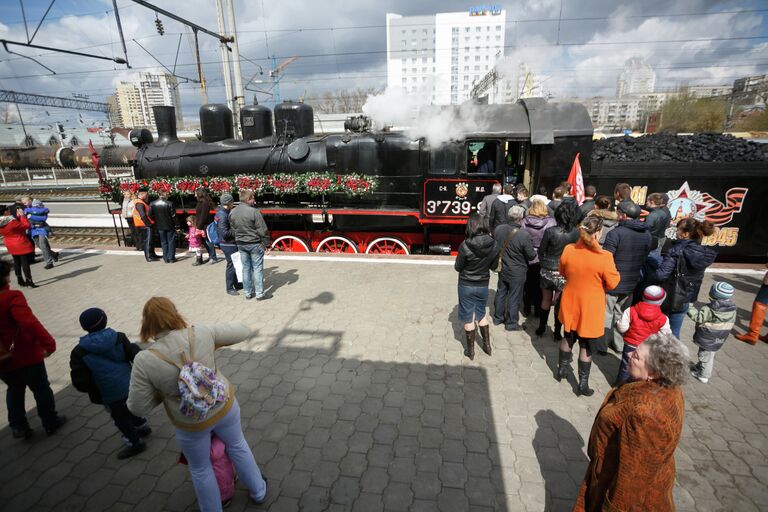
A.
pixel 328 431
pixel 274 280
pixel 70 275
pixel 560 451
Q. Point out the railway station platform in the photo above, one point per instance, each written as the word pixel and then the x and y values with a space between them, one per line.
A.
pixel 355 395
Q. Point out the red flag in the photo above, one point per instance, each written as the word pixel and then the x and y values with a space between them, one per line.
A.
pixel 577 181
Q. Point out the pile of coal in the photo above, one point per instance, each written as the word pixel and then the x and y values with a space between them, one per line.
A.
pixel 667 147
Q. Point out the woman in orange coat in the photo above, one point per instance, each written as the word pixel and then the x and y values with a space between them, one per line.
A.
pixel 589 271
pixel 636 431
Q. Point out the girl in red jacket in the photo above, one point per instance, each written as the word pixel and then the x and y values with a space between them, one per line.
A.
pixel 29 344
pixel 13 227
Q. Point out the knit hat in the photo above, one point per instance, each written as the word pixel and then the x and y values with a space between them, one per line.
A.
pixel 93 319
pixel 654 295
pixel 721 290
pixel 227 199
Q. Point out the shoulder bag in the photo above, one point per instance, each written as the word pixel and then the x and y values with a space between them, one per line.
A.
pixel 677 287
pixel 498 263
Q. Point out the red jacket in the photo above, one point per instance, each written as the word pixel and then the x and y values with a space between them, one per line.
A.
pixel 19 326
pixel 644 319
pixel 15 234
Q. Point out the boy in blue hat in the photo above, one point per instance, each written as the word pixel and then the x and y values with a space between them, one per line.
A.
pixel 714 322
pixel 101 367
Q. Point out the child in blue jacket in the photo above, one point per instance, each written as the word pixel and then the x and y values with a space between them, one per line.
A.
pixel 101 367
pixel 37 214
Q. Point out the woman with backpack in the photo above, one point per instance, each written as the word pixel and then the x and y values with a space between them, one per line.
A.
pixel 179 370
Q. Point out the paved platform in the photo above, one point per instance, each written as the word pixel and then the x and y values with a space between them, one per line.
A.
pixel 355 395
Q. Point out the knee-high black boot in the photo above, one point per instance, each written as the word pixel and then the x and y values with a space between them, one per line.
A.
pixel 543 319
pixel 563 365
pixel 558 325
pixel 485 332
pixel 471 343
pixel 584 369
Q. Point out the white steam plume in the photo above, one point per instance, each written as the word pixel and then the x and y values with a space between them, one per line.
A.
pixel 413 112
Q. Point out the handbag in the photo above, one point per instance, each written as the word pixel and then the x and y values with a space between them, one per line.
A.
pixel 498 262
pixel 677 288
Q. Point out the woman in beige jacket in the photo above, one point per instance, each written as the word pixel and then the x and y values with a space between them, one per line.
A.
pixel 154 379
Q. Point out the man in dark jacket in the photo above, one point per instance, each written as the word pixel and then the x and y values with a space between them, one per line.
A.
pixel 630 242
pixel 517 251
pixel 589 200
pixel 203 217
pixel 252 239
pixel 658 220
pixel 484 208
pixel 500 208
pixel 557 199
pixel 162 211
pixel 227 241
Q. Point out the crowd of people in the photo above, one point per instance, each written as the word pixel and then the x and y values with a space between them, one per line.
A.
pixel 234 229
pixel 613 279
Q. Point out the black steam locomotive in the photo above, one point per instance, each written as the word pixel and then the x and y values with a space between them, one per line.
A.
pixel 424 195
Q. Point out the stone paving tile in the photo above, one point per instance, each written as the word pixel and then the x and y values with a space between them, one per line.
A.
pixel 355 395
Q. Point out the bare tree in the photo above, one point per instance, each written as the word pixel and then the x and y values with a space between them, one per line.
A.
pixel 342 101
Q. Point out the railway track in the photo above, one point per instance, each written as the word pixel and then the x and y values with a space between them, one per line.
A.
pixel 84 236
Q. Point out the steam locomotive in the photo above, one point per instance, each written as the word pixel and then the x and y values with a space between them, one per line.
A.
pixel 424 195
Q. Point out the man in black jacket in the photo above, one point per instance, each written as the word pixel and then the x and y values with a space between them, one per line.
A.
pixel 227 241
pixel 630 242
pixel 517 250
pixel 162 211
pixel 589 200
pixel 500 207
pixel 657 220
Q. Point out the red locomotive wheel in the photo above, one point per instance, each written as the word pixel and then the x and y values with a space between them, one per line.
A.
pixel 387 245
pixel 337 245
pixel 290 243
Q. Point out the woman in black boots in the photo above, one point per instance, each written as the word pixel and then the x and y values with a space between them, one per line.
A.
pixel 552 244
pixel 473 262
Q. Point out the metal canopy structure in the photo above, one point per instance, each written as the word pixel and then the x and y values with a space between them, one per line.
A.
pixel 51 101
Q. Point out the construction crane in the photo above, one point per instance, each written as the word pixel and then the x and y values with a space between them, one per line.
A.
pixel 277 73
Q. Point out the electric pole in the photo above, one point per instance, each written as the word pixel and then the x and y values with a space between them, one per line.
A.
pixel 225 64
pixel 239 93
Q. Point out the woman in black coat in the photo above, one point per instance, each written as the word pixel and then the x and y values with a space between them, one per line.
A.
pixel 473 262
pixel 695 260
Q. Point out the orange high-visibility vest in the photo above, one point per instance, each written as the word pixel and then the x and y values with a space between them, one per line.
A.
pixel 136 217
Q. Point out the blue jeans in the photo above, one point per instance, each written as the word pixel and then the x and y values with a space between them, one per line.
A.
pixel 168 243
pixel 623 375
pixel 252 256
pixel 230 274
pixel 676 321
pixel 472 302
pixel 196 447
pixel 35 378
pixel 506 305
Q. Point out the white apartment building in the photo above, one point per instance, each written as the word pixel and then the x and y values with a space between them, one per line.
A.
pixel 445 54
pixel 637 78
pixel 134 101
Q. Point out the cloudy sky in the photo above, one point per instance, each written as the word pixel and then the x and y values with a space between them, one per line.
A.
pixel 580 46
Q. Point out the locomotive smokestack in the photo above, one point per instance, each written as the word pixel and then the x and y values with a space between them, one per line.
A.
pixel 165 119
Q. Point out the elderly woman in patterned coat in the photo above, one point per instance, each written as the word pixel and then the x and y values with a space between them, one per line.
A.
pixel 636 431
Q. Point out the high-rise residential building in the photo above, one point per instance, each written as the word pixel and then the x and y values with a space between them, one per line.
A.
pixel 445 54
pixel 134 101
pixel 637 78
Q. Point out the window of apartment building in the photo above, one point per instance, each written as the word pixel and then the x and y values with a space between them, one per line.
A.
pixel 498 38
pixel 423 60
pixel 423 70
pixel 477 57
pixel 404 42
pixel 454 30
pixel 498 28
pixel 477 68
pixel 454 88
pixel 478 29
pixel 425 31
pixel 466 29
pixel 466 68
pixel 413 70
pixel 454 98
pixel 413 42
pixel 466 87
pixel 413 31
pixel 466 78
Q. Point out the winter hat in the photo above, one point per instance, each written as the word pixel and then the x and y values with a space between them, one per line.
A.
pixel 227 199
pixel 630 209
pixel 654 295
pixel 93 319
pixel 721 291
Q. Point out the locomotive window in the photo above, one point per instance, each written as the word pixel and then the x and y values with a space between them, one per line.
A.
pixel 481 157
pixel 444 160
